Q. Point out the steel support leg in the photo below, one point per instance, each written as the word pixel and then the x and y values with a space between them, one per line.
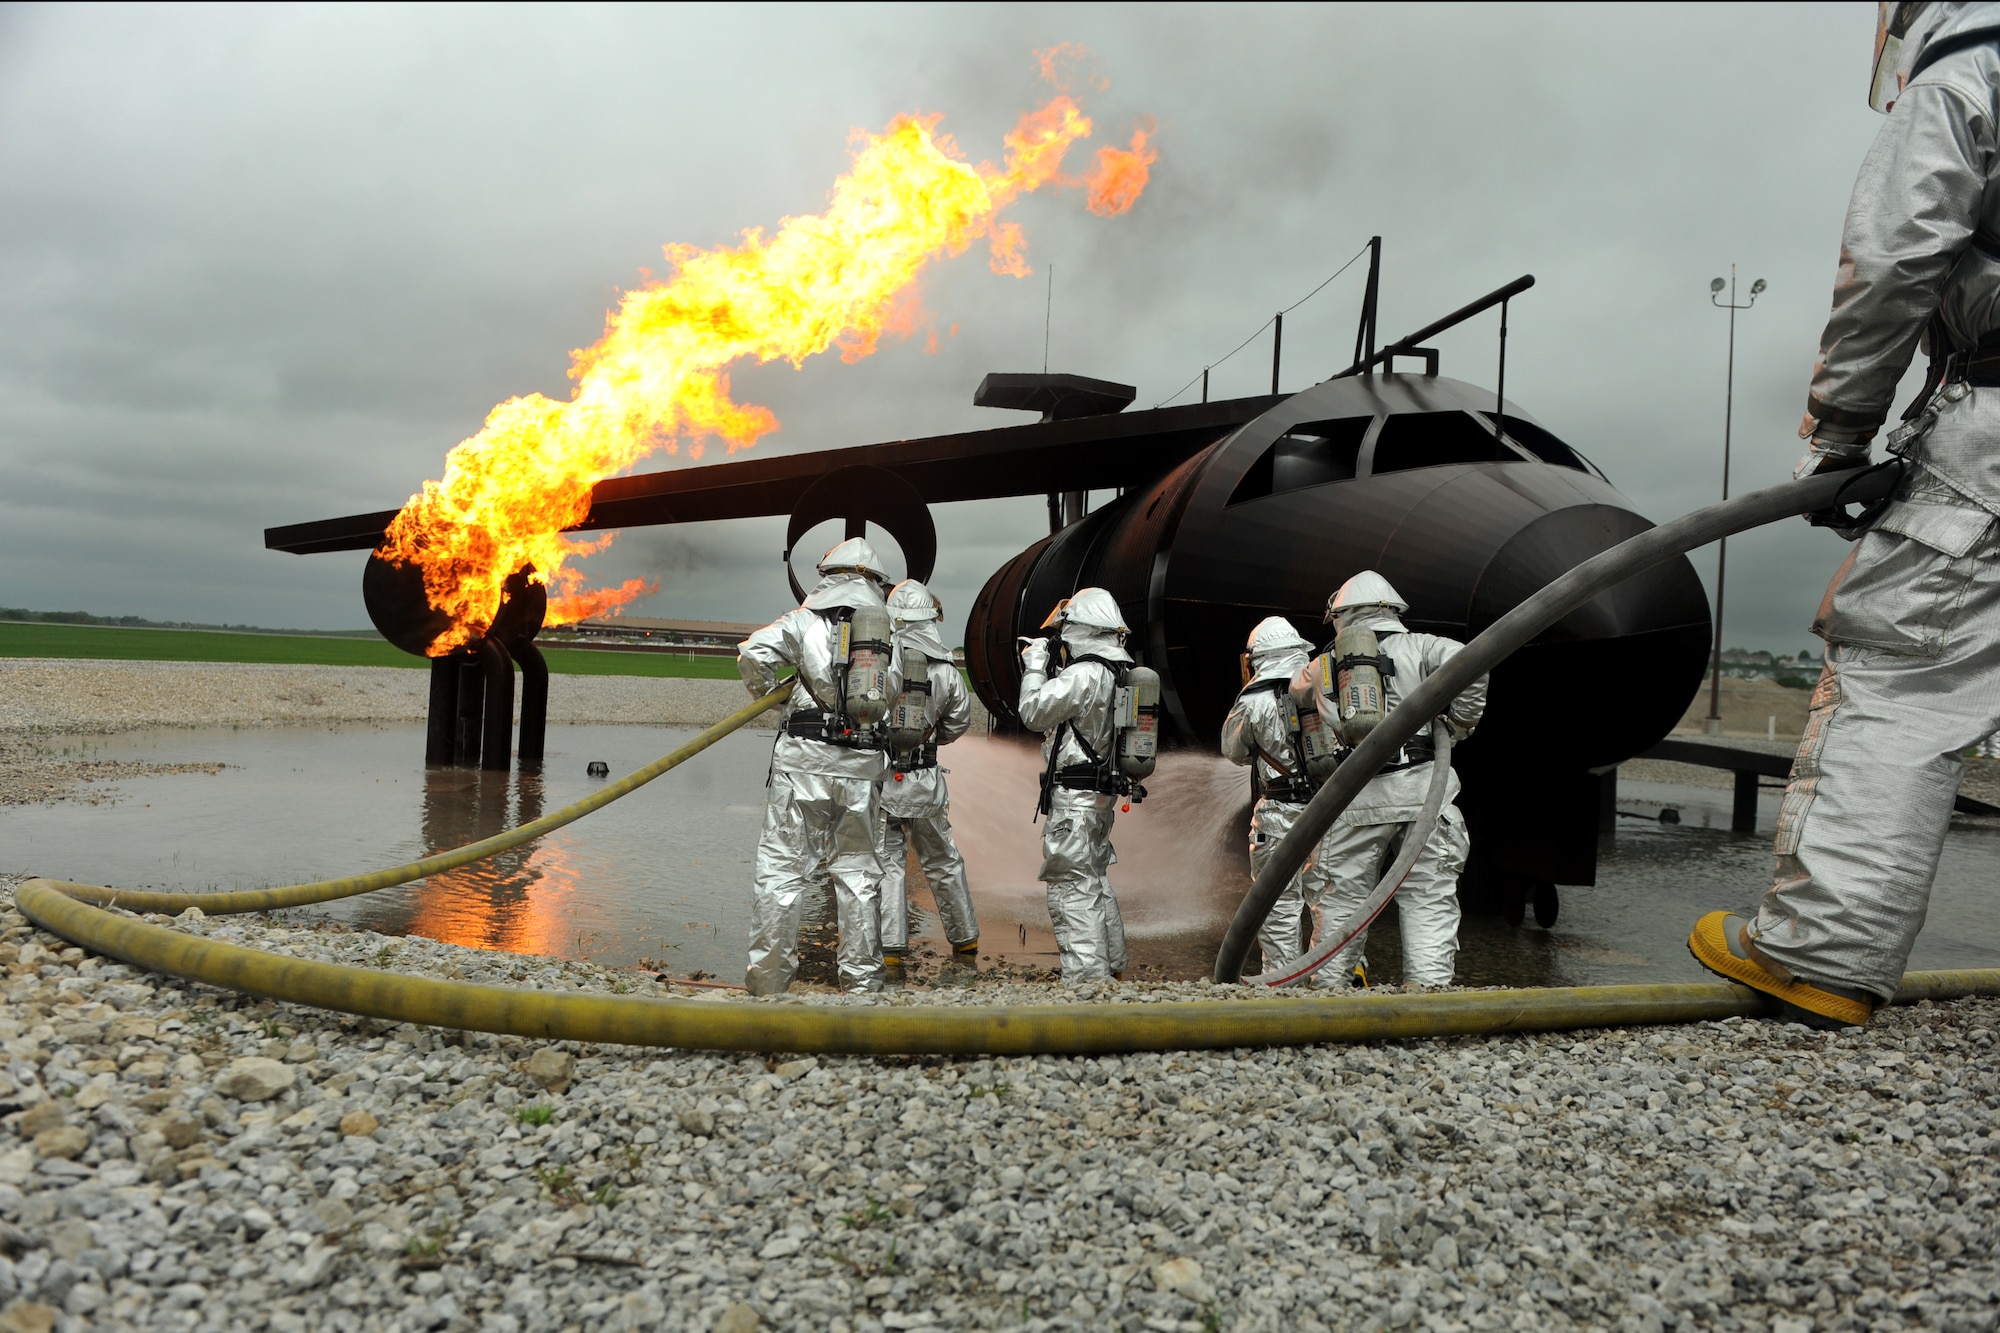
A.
pixel 1743 811
pixel 496 744
pixel 471 695
pixel 439 731
pixel 534 701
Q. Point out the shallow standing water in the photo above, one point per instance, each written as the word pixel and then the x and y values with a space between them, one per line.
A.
pixel 663 875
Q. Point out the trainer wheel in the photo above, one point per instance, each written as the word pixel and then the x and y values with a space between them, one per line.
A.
pixel 1548 904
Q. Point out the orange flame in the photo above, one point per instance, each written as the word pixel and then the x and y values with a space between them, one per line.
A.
pixel 1120 175
pixel 841 278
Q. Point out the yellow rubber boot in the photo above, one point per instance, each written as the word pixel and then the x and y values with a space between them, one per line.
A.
pixel 962 967
pixel 1719 944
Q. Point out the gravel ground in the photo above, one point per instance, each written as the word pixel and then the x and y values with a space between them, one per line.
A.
pixel 177 1157
pixel 1679 775
pixel 47 704
pixel 34 772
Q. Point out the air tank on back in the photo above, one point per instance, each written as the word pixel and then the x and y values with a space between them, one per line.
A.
pixel 908 721
pixel 866 640
pixel 1138 708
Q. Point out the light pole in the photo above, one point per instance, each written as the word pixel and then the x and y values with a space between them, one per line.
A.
pixel 1722 547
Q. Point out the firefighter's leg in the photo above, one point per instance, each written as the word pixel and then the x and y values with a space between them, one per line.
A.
pixel 1428 903
pixel 1281 934
pixel 788 856
pixel 1076 856
pixel 857 875
pixel 944 869
pixel 1351 859
pixel 893 853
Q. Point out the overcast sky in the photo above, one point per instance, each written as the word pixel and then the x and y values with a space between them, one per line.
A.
pixel 263 265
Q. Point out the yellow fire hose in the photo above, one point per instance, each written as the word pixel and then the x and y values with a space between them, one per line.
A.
pixel 77 912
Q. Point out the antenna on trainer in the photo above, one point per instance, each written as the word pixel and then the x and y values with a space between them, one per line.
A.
pixel 1047 310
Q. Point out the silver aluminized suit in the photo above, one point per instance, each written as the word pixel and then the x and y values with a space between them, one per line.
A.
pixel 1370 831
pixel 823 799
pixel 1077 855
pixel 1255 734
pixel 916 807
pixel 1912 619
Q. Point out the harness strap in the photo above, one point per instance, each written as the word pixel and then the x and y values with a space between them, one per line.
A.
pixel 836 616
pixel 1298 787
pixel 814 724
pixel 1418 750
pixel 1101 775
pixel 1086 777
pixel 1295 792
pixel 924 756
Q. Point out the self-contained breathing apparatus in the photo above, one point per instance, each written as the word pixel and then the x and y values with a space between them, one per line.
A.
pixel 907 728
pixel 861 681
pixel 1295 783
pixel 1135 733
pixel 1317 743
pixel 1351 675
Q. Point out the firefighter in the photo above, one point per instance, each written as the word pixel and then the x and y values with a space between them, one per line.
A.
pixel 825 768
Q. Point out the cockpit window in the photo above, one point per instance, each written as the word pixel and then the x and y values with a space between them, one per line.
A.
pixel 1433 439
pixel 1542 444
pixel 1311 454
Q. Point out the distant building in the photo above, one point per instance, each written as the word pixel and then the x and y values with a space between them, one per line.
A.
pixel 1744 664
pixel 670 633
pixel 706 637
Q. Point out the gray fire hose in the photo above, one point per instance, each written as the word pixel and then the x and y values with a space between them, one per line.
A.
pixel 1333 940
pixel 1488 650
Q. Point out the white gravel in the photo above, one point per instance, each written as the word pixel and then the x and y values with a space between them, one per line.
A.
pixel 1735 1175
pixel 176 1157
pixel 63 696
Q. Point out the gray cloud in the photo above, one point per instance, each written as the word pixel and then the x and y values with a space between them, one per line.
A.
pixel 264 265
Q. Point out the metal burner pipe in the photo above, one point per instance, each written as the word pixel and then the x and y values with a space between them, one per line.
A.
pixel 534 701
pixel 496 745
pixel 440 740
pixel 471 697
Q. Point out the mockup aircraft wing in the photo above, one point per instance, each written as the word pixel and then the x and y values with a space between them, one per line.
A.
pixel 1096 452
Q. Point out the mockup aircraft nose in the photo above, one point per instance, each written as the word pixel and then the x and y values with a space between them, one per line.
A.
pixel 1666 597
pixel 1652 628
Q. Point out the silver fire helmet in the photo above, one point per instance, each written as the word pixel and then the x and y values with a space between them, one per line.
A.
pixel 1090 608
pixel 1275 634
pixel 854 556
pixel 912 601
pixel 1365 589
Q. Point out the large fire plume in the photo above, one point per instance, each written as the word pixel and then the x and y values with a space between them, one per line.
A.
pixel 659 376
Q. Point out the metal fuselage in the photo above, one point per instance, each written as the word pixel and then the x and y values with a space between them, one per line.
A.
pixel 1400 474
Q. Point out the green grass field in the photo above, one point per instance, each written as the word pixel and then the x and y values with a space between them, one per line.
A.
pixel 172 645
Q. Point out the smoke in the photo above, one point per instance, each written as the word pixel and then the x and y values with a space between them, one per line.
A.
pixel 670 554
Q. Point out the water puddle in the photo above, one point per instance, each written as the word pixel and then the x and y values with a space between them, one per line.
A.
pixel 664 874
